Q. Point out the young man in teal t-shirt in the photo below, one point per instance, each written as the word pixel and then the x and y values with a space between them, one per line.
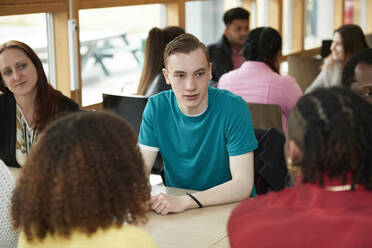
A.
pixel 204 135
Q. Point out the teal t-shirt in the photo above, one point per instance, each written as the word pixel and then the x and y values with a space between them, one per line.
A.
pixel 196 149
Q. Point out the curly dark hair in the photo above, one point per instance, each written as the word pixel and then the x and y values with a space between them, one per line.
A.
pixel 263 44
pixel 86 172
pixel 348 73
pixel 333 129
pixel 47 98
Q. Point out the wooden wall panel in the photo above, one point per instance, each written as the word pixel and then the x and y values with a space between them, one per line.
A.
pixel 76 95
pixel 368 29
pixel 357 12
pixel 62 58
pixel 247 4
pixel 176 14
pixel 276 15
pixel 85 4
pixel 338 14
pixel 16 7
pixel 298 26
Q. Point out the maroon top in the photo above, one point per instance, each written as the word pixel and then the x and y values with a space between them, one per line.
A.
pixel 304 216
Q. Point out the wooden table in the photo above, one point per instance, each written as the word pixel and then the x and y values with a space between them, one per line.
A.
pixel 204 227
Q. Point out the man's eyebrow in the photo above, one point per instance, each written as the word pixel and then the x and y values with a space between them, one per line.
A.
pixel 200 70
pixel 178 72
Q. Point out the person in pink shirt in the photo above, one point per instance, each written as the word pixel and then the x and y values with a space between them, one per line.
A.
pixel 258 79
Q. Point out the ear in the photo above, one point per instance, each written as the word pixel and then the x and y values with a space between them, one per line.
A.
pixel 277 60
pixel 210 71
pixel 165 73
pixel 293 155
pixel 293 152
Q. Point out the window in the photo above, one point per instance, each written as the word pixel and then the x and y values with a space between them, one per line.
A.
pixel 30 29
pixel 355 11
pixel 318 22
pixel 287 27
pixel 111 47
pixel 262 9
pixel 352 12
pixel 204 18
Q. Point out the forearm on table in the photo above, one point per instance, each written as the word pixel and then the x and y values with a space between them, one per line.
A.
pixel 231 191
pixel 238 188
pixel 149 158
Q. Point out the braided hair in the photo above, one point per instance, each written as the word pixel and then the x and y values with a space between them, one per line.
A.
pixel 263 44
pixel 333 129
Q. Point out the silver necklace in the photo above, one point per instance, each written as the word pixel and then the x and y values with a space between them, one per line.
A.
pixel 345 187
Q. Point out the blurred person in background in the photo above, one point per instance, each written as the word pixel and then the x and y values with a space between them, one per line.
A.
pixel 347 40
pixel 258 79
pixel 226 54
pixel 152 80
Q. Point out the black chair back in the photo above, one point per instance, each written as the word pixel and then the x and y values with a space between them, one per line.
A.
pixel 131 108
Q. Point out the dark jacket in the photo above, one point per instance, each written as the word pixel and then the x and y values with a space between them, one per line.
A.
pixel 8 126
pixel 220 56
pixel 270 169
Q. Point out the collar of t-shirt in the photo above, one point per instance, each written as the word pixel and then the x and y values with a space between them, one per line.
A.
pixel 197 114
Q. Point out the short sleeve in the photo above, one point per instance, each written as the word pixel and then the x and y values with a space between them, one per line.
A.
pixel 147 135
pixel 240 133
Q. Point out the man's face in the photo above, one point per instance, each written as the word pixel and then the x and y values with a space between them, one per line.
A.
pixel 363 81
pixel 236 33
pixel 188 74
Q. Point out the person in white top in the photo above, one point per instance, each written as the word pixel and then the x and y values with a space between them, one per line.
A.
pixel 347 40
pixel 8 236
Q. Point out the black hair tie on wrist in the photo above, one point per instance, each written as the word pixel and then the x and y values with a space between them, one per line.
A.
pixel 196 200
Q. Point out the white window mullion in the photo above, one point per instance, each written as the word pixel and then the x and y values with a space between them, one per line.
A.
pixel 51 49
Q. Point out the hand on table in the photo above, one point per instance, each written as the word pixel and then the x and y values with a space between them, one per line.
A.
pixel 164 204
